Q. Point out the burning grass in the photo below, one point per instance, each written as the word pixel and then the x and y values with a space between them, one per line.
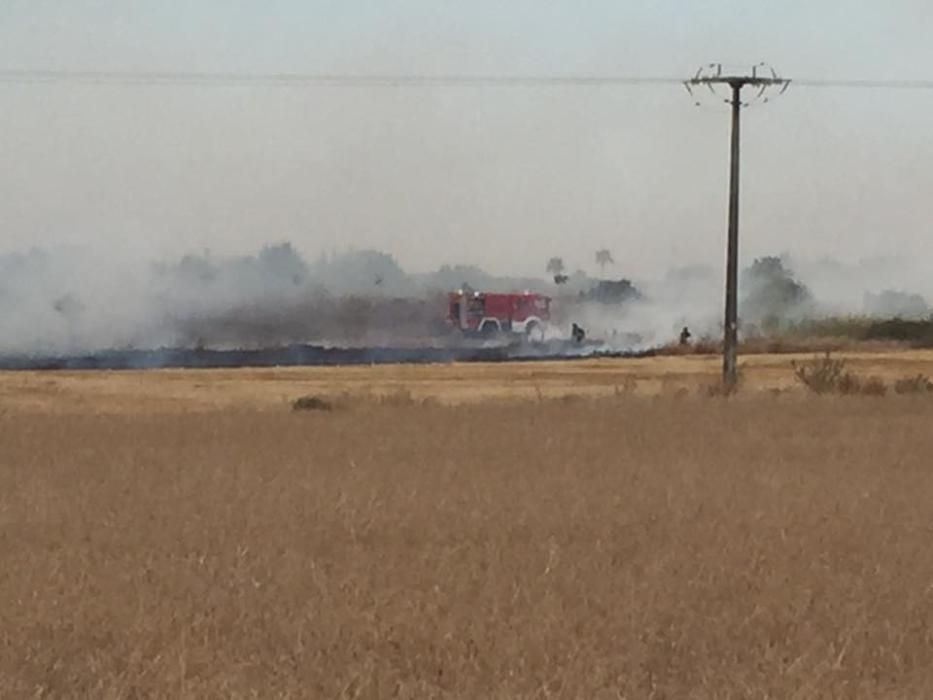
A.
pixel 620 547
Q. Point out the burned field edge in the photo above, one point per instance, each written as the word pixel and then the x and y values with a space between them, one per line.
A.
pixel 836 334
pixel 310 356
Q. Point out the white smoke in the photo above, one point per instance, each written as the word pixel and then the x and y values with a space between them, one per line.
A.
pixel 77 301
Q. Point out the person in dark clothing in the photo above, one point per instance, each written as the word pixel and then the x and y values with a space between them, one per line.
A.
pixel 578 334
pixel 685 336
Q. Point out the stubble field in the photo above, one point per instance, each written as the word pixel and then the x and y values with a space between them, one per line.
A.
pixel 178 535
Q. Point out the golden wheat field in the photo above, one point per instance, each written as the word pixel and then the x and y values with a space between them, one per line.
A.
pixel 187 535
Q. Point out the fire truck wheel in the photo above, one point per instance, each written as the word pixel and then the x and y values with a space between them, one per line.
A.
pixel 489 330
pixel 534 333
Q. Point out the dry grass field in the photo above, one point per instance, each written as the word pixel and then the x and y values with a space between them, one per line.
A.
pixel 173 390
pixel 186 535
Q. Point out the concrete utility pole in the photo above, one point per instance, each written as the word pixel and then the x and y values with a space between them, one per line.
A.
pixel 712 76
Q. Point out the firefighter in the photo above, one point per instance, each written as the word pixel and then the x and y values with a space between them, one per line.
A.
pixel 578 334
pixel 685 336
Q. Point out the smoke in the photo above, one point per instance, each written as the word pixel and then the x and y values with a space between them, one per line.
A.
pixel 71 301
pixel 877 286
pixel 774 293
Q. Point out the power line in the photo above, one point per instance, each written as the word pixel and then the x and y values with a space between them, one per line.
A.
pixel 867 84
pixel 413 80
pixel 324 79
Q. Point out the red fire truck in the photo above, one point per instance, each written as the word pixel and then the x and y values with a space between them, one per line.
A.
pixel 488 314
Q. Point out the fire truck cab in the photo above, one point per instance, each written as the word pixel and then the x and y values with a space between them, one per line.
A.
pixel 488 314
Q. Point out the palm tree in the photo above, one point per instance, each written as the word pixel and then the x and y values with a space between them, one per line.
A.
pixel 603 258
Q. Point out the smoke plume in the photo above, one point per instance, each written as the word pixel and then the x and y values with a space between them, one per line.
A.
pixel 69 301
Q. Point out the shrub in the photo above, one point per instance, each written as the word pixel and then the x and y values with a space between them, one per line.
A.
pixel 311 403
pixel 824 375
pixel 850 327
pixel 848 384
pixel 398 397
pixel 873 386
pixel 919 333
pixel 827 375
pixel 919 384
pixel 403 398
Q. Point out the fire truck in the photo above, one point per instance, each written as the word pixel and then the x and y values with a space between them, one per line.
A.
pixel 488 314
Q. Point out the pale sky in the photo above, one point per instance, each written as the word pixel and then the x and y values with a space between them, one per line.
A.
pixel 500 177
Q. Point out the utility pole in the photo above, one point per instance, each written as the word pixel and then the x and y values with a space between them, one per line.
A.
pixel 711 77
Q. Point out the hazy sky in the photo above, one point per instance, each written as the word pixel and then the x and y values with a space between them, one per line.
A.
pixel 501 177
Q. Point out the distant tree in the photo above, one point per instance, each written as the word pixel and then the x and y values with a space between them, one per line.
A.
pixel 896 304
pixel 196 268
pixel 604 258
pixel 772 294
pixel 612 292
pixel 555 266
pixel 364 272
pixel 284 262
